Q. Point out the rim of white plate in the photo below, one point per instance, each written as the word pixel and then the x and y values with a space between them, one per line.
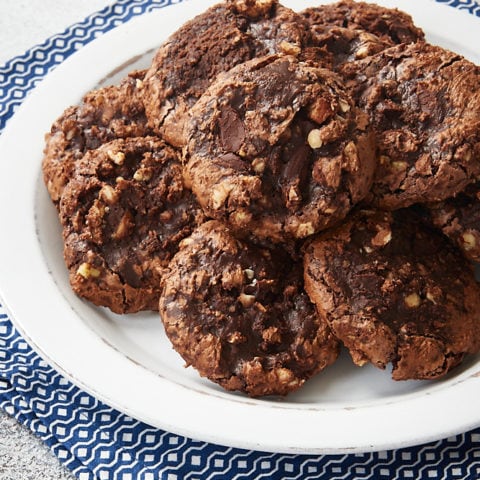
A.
pixel 42 314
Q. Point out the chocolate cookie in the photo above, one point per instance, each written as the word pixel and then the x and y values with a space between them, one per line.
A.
pixel 225 35
pixel 277 148
pixel 424 102
pixel 123 214
pixel 238 314
pixel 394 290
pixel 459 220
pixel 389 24
pixel 105 114
pixel 343 45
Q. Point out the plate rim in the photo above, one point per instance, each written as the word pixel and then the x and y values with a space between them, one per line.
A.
pixel 270 434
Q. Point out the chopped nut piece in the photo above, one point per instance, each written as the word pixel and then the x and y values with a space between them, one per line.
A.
pixel 220 194
pixel 272 335
pixel 382 237
pixel 185 242
pixel 250 274
pixel 86 271
pixel 242 152
pixel 108 194
pixel 116 157
pixel 399 165
pixel 413 300
pixel 236 337
pixel 233 278
pixel 350 150
pixel 344 105
pixel 246 300
pixel 362 52
pixel 367 37
pixel 304 230
pixel 240 217
pixel 289 48
pixel 314 138
pixel 124 227
pixel 142 175
pixel 70 134
pixel 253 9
pixel 321 110
pixel 258 165
pixel 293 195
pixel 469 241
pixel 284 375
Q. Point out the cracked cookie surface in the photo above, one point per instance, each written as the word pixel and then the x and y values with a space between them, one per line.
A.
pixel 343 45
pixel 459 219
pixel 394 290
pixel 277 147
pixel 225 35
pixel 424 103
pixel 239 315
pixel 388 24
pixel 123 214
pixel 103 115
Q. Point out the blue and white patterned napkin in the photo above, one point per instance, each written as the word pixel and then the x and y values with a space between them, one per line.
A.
pixel 97 442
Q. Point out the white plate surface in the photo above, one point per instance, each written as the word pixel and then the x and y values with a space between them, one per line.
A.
pixel 127 362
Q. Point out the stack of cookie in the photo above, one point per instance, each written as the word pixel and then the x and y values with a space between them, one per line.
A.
pixel 278 184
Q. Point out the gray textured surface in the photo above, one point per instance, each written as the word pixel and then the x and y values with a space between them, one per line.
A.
pixel 24 457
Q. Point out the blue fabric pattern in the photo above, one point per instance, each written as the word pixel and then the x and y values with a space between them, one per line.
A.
pixel 471 6
pixel 97 442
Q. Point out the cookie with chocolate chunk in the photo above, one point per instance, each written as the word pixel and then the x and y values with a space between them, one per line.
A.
pixel 394 290
pixel 103 115
pixel 223 36
pixel 424 103
pixel 123 214
pixel 239 315
pixel 277 148
pixel 459 219
pixel 388 24
pixel 344 45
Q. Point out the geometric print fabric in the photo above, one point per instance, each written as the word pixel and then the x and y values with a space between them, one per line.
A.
pixel 96 442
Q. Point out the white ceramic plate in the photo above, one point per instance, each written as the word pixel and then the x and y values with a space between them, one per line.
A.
pixel 127 362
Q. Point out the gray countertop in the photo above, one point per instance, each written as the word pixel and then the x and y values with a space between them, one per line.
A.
pixel 24 457
pixel 26 23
